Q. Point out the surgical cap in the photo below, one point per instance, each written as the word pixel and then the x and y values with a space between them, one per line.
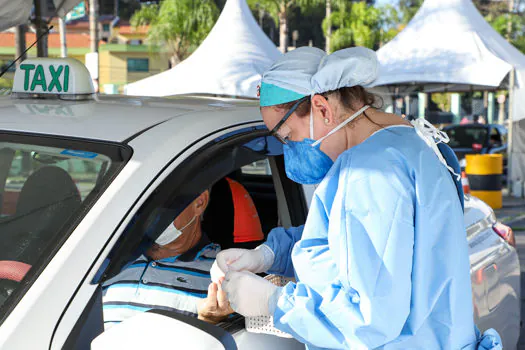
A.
pixel 308 70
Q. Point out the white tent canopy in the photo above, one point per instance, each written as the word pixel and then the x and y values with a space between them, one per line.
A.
pixel 448 45
pixel 14 12
pixel 230 61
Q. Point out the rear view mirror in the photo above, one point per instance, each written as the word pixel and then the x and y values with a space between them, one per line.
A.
pixel 158 329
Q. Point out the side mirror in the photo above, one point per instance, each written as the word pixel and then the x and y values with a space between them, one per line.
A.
pixel 159 329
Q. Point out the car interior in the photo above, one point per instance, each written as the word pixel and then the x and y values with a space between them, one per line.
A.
pixel 495 139
pixel 249 157
pixel 39 197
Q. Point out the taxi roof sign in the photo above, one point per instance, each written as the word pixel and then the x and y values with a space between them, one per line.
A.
pixel 53 76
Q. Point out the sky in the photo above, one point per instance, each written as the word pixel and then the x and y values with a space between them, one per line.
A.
pixel 383 2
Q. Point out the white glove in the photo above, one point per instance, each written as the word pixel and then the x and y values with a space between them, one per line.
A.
pixel 249 294
pixel 255 260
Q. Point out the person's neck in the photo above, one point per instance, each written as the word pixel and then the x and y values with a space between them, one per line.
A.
pixel 194 236
pixel 366 126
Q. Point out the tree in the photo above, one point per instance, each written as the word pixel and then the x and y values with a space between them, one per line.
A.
pixel 517 23
pixel 179 25
pixel 390 24
pixel 279 11
pixel 407 9
pixel 355 24
pixel 509 23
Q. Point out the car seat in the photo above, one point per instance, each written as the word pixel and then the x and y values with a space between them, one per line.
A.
pixel 231 219
pixel 47 200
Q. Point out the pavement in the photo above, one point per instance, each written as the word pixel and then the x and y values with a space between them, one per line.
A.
pixel 513 215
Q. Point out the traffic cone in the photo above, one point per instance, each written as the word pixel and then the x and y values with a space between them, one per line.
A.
pixel 465 183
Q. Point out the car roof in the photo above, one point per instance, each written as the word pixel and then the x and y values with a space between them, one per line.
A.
pixel 108 117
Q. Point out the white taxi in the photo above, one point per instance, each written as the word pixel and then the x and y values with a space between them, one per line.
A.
pixel 83 175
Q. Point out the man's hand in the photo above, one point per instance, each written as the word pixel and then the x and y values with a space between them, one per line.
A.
pixel 215 307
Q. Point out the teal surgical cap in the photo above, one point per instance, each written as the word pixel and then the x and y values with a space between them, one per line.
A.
pixel 307 71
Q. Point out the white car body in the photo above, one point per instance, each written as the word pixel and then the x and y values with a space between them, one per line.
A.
pixel 163 134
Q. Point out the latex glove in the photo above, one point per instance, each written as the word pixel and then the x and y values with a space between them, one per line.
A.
pixel 215 307
pixel 255 260
pixel 249 294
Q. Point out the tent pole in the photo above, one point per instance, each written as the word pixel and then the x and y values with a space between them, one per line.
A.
pixel 510 124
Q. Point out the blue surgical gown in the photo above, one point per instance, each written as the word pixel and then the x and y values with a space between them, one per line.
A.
pixel 382 261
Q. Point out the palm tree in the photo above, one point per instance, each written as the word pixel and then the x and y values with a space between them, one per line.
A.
pixel 279 10
pixel 355 24
pixel 179 25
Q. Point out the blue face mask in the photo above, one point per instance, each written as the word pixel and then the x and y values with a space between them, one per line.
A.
pixel 304 161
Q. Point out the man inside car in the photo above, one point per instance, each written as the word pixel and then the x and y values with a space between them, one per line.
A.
pixel 174 274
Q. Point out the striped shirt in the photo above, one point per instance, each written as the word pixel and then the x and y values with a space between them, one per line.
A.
pixel 174 284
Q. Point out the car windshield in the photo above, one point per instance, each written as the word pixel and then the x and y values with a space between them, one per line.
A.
pixel 465 137
pixel 47 185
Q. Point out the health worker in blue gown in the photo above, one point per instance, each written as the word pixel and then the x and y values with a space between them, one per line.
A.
pixel 382 261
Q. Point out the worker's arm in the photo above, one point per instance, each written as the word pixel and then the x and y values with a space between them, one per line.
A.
pixel 281 241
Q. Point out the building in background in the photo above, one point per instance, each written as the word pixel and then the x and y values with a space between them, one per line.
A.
pixel 127 57
pixel 106 24
pixel 78 46
pixel 124 55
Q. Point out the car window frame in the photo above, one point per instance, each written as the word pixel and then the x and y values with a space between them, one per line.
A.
pixel 124 153
pixel 218 137
pixel 170 188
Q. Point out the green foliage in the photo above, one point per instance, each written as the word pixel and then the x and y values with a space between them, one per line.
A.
pixel 517 25
pixel 407 9
pixel 308 22
pixel 442 100
pixel 519 42
pixel 355 24
pixel 491 7
pixel 394 19
pixel 271 7
pixel 500 23
pixel 180 25
pixel 275 7
pixel 5 83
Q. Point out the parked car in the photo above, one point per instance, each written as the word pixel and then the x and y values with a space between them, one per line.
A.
pixel 478 139
pixel 83 176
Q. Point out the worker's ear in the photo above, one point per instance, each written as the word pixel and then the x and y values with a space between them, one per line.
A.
pixel 201 203
pixel 321 107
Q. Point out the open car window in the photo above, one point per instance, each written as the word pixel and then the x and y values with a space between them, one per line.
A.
pixel 250 160
pixel 215 161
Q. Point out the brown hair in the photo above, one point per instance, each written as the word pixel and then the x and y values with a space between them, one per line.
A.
pixel 352 98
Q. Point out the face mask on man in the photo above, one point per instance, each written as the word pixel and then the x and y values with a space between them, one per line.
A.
pixel 171 233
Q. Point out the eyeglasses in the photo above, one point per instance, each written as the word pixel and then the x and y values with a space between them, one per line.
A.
pixel 275 131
